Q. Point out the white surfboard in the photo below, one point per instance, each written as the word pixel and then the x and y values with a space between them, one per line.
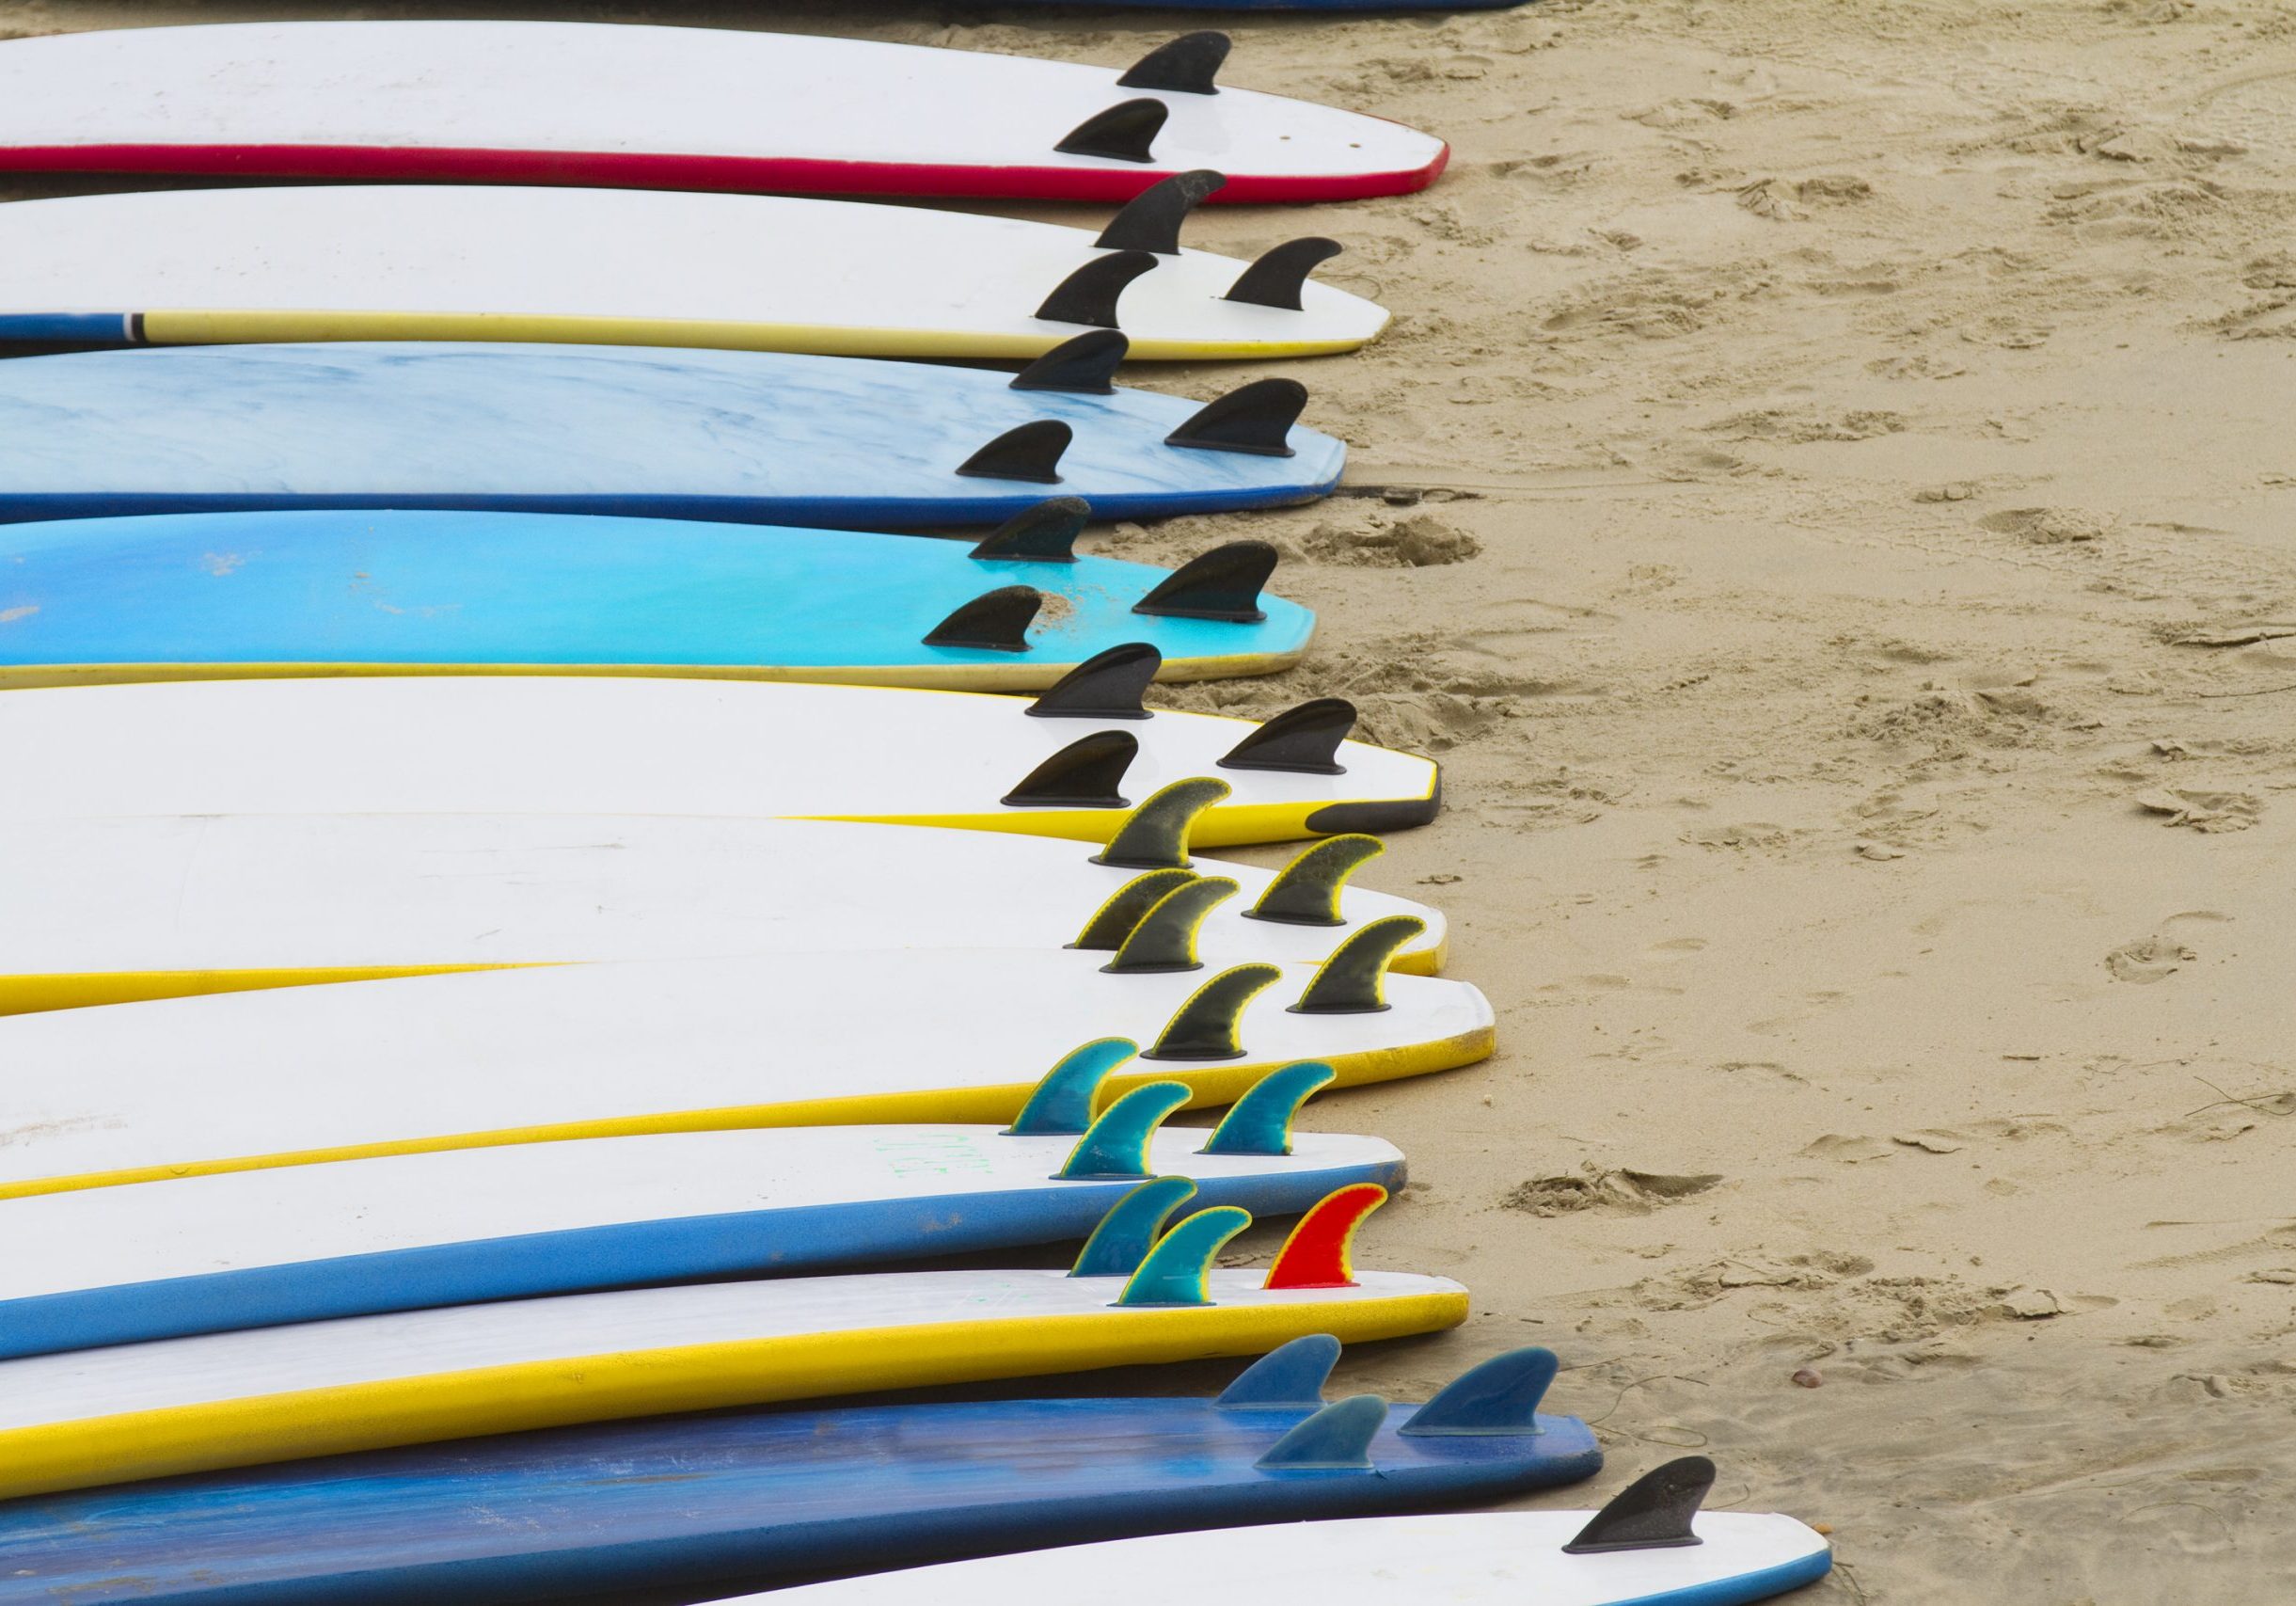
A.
pixel 633 267
pixel 677 108
pixel 536 744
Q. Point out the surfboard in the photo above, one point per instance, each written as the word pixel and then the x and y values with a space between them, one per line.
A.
pixel 738 1498
pixel 673 108
pixel 638 431
pixel 229 595
pixel 241 1081
pixel 1644 1549
pixel 141 908
pixel 636 267
pixel 237 1399
pixel 531 744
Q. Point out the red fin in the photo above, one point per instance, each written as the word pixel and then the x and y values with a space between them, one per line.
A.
pixel 1316 1254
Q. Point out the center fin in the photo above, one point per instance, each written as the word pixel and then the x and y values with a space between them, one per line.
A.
pixel 1156 836
pixel 1045 533
pixel 1653 1513
pixel 1336 1439
pixel 1116 1145
pixel 1106 686
pixel 1305 891
pixel 1260 1121
pixel 1277 277
pixel 1084 366
pixel 1178 1270
pixel 1126 1234
pixel 1184 66
pixel 1320 1251
pixel 1498 1396
pixel 1062 1103
pixel 1206 1026
pixel 1165 939
pixel 1084 775
pixel 1353 980
pixel 1291 1374
pixel 1116 919
pixel 1151 220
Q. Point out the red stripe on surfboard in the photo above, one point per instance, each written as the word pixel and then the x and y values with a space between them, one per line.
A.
pixel 638 171
pixel 1317 1253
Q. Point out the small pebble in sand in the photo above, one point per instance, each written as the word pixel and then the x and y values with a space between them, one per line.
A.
pixel 1808 1378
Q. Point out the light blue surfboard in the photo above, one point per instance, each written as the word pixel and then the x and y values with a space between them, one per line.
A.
pixel 752 437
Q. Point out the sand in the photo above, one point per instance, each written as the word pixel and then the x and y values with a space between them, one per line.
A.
pixel 1830 498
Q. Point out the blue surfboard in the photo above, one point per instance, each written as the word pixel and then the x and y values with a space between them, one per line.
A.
pixel 748 437
pixel 217 595
pixel 743 1498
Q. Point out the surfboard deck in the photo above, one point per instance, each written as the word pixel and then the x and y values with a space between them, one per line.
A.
pixel 622 267
pixel 672 107
pixel 637 431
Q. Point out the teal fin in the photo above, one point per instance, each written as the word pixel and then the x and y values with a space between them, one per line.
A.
pixel 1209 1025
pixel 1353 980
pixel 1500 1395
pixel 1305 891
pixel 1156 836
pixel 1127 1232
pixel 1116 919
pixel 1336 1439
pixel 1117 1144
pixel 1062 1103
pixel 1260 1121
pixel 1165 939
pixel 1176 1270
pixel 1293 1375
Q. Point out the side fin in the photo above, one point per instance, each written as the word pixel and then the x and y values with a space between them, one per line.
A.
pixel 1253 419
pixel 1276 278
pixel 1127 1232
pixel 1126 132
pixel 1084 775
pixel 1353 980
pixel 1090 294
pixel 1156 836
pixel 1116 1145
pixel 1106 686
pixel 996 621
pixel 1045 533
pixel 1653 1513
pixel 1497 1396
pixel 1291 1374
pixel 1305 891
pixel 1178 1269
pixel 1303 740
pixel 1116 919
pixel 1223 583
pixel 1062 1103
pixel 1184 66
pixel 1319 1252
pixel 1205 1027
pixel 1165 939
pixel 1028 451
pixel 1085 366
pixel 1336 1439
pixel 1151 220
pixel 1260 1121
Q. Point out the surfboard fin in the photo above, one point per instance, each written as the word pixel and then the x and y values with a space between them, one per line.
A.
pixel 1151 220
pixel 1184 66
pixel 1304 741
pixel 1274 279
pixel 1336 1439
pixel 1126 1234
pixel 1205 1027
pixel 1178 1270
pixel 996 621
pixel 1498 1396
pixel 1045 533
pixel 1062 1103
pixel 1090 294
pixel 1223 583
pixel 1106 686
pixel 1260 1121
pixel 1085 366
pixel 1156 836
pixel 1320 1251
pixel 1028 451
pixel 1084 775
pixel 1291 1374
pixel 1653 1513
pixel 1305 891
pixel 1253 419
pixel 1116 1145
pixel 1165 939
pixel 1126 132
pixel 1116 919
pixel 1353 980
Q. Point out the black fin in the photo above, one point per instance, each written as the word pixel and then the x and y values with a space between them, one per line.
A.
pixel 1123 132
pixel 1045 533
pixel 1305 891
pixel 1151 220
pixel 1106 686
pixel 996 621
pixel 1084 775
pixel 1304 741
pixel 1165 939
pixel 1028 451
pixel 1276 278
pixel 1223 583
pixel 1184 66
pixel 1653 1513
pixel 1115 920
pixel 1090 294
pixel 1353 980
pixel 1156 836
pixel 1085 366
pixel 1204 1027
pixel 1255 419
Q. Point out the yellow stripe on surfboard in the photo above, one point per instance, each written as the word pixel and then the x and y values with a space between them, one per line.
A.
pixel 30 994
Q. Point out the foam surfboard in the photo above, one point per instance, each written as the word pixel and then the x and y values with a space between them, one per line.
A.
pixel 739 1498
pixel 240 1081
pixel 651 432
pixel 258 1248
pixel 1080 768
pixel 238 1399
pixel 636 267
pixel 229 595
pixel 674 108
pixel 1651 1546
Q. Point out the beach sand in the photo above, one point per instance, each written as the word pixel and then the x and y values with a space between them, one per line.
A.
pixel 1829 497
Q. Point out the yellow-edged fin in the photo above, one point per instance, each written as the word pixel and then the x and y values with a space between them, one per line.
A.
pixel 77 990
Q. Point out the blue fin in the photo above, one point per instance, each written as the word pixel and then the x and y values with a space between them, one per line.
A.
pixel 1177 1268
pixel 1261 1122
pixel 1293 1375
pixel 1117 1143
pixel 1127 1232
pixel 1062 1103
pixel 1336 1439
pixel 1500 1395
